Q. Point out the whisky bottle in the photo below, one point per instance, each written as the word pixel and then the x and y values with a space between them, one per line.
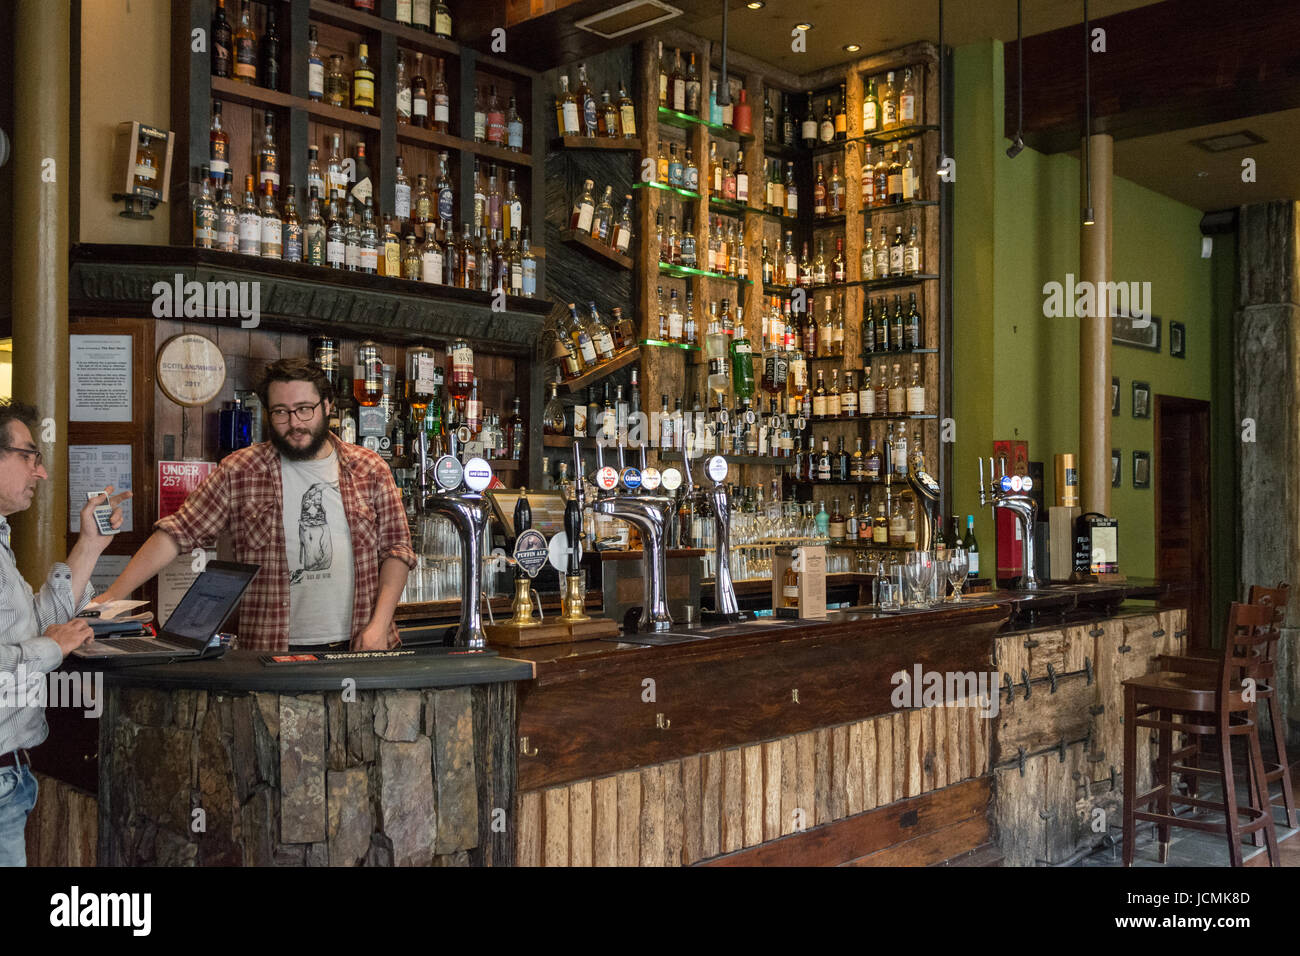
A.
pixel 351 238
pixel 514 128
pixel 912 255
pixel 335 237
pixel 270 68
pixel 836 525
pixel 910 179
pixel 363 82
pixel 250 222
pixel 245 59
pixel 897 396
pixel 227 218
pixel 826 128
pixel 314 231
pixel 496 118
pixel 621 240
pixel 205 214
pixel 369 256
pixel 897 523
pixel 270 234
pixel 446 198
pixel 218 146
pixel 916 391
pixel 851 521
pixel 889 104
pixel 849 397
pixel 907 100
pixel 895 180
pixel 871 466
pixel 584 209
pixel 441 20
pixel 692 88
pixel 833 396
pixel 268 157
pixel 824 462
pixel 819 397
pixel 336 84
pixel 896 325
pixel 529 265
pixel 835 191
pixel 870 111
pixel 419 94
pixel 402 99
pixel 809 127
pixel 819 193
pixel 882 393
pixel 842 116
pixel 896 250
pixel 791 192
pixel 826 331
pixel 914 338
pixel 882 255
pixel 222 41
pixel 880 189
pixel 840 469
pixel 315 67
pixel 291 244
pixel 403 12
pixel 790 587
pixel 880 524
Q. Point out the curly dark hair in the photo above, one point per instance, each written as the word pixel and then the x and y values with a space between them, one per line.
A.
pixel 294 370
pixel 12 410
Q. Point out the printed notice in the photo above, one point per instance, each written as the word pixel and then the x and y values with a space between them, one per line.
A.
pixel 176 479
pixel 99 378
pixel 107 568
pixel 92 468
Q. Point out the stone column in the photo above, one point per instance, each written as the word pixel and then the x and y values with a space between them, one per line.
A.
pixel 42 179
pixel 1094 333
pixel 1266 389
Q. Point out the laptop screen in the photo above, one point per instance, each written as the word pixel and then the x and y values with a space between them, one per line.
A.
pixel 209 601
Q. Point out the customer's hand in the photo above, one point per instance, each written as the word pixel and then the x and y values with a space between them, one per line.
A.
pixel 70 635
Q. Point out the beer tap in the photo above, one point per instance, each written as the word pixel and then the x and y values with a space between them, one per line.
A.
pixel 724 589
pixel 925 491
pixel 1012 492
pixel 469 512
pixel 648 513
pixel 573 601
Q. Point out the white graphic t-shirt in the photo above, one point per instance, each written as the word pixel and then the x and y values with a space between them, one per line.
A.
pixel 319 545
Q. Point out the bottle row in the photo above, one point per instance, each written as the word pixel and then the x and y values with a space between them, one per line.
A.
pixel 725 252
pixel 581 345
pixel 598 220
pixel 680 90
pixel 579 113
pixel 893 104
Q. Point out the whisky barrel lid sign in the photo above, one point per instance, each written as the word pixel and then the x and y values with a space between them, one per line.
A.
pixel 717 468
pixel 191 369
pixel 672 479
pixel 607 478
pixel 650 479
pixel 531 552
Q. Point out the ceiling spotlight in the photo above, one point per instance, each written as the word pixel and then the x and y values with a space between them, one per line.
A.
pixel 805 26
pixel 1088 218
pixel 756 4
pixel 852 47
pixel 1016 146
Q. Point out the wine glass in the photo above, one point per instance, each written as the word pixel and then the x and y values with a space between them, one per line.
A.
pixel 958 566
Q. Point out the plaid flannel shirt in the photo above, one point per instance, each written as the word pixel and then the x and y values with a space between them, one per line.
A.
pixel 244 497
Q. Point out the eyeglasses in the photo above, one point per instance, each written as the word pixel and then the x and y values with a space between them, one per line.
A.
pixel 37 458
pixel 302 413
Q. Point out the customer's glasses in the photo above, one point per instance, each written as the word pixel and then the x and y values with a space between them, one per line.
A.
pixel 302 413
pixel 37 458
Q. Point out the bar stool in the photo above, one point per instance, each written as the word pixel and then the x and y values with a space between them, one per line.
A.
pixel 1207 706
pixel 1265 673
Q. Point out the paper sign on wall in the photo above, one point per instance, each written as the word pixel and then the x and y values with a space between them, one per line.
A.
pixel 175 579
pixel 92 468
pixel 99 378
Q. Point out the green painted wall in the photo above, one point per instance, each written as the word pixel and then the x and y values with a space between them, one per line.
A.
pixel 1016 373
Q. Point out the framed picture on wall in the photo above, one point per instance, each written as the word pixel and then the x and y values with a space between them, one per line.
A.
pixel 1141 469
pixel 1135 331
pixel 1114 397
pixel 1116 468
pixel 1177 340
pixel 1141 400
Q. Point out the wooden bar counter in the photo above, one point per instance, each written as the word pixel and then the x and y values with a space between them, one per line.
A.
pixel 777 742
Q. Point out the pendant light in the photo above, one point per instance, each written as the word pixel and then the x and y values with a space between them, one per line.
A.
pixel 943 152
pixel 724 88
pixel 1019 143
pixel 1088 218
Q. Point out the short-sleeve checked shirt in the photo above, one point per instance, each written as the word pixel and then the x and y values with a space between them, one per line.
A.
pixel 244 498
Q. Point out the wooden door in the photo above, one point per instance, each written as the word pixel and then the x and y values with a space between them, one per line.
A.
pixel 1182 486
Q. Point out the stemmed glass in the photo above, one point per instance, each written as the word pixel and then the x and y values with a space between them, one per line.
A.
pixel 920 567
pixel 958 566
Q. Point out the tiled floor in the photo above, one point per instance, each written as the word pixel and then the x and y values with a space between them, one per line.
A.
pixel 1194 848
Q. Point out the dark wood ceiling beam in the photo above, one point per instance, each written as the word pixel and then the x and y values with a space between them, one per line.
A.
pixel 1168 66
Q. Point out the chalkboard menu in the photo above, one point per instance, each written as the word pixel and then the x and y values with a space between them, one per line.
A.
pixel 1096 544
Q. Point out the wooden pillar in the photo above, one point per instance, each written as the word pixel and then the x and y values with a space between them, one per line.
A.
pixel 42 178
pixel 1094 333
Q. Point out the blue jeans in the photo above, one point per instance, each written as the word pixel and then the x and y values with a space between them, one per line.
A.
pixel 17 798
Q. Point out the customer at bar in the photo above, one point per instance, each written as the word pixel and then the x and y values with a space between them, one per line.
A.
pixel 37 631
pixel 333 561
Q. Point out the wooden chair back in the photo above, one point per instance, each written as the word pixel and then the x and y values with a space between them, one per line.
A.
pixel 1250 631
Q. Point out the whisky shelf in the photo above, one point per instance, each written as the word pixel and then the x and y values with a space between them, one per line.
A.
pixel 868 355
pixel 620 360
pixel 685 272
pixel 780 218
pixel 893 282
pixel 729 207
pixel 828 222
pixel 789 154
pixel 669 454
pixel 232 91
pixel 898 206
pixel 661 344
pixel 685 193
pixel 686 121
pixel 633 145
pixel 887 417
pixel 595 248
pixel 874 139
pixel 417 136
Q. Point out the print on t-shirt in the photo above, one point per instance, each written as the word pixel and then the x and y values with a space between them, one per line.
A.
pixel 315 547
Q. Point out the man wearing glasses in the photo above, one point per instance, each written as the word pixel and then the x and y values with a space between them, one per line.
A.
pixel 322 517
pixel 36 630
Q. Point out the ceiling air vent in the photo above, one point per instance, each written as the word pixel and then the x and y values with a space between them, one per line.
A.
pixel 627 18
pixel 1226 141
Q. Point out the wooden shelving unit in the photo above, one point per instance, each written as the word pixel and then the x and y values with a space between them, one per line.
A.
pixel 595 248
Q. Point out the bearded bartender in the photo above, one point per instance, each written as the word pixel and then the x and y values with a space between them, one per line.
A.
pixel 323 519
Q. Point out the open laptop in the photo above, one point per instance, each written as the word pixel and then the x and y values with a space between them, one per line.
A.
pixel 189 630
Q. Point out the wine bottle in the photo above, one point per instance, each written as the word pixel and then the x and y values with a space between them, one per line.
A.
pixel 972 549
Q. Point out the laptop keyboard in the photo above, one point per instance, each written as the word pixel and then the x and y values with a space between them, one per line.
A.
pixel 139 644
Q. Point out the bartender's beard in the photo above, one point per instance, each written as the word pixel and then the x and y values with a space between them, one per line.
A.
pixel 319 435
